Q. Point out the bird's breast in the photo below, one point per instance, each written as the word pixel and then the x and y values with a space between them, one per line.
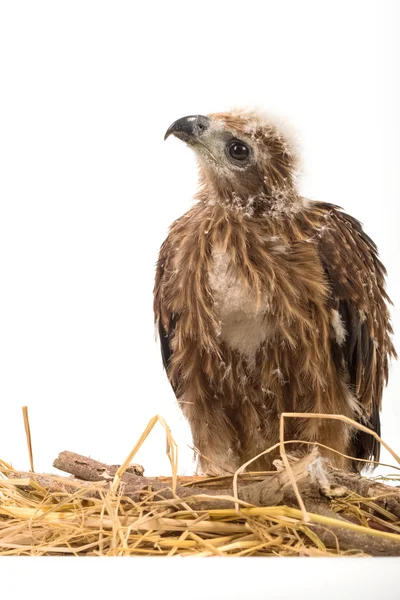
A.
pixel 241 310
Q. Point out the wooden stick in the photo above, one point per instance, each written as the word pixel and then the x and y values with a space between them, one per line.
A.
pixel 272 490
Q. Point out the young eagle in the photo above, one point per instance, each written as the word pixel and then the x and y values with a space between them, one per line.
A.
pixel 267 302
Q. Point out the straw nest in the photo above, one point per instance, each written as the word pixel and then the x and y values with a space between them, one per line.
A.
pixel 305 508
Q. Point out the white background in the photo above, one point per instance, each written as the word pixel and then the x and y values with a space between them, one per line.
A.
pixel 215 578
pixel 88 187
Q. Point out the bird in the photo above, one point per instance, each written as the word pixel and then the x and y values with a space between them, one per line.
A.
pixel 268 302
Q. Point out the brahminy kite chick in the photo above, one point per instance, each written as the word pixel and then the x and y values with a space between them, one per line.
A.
pixel 267 302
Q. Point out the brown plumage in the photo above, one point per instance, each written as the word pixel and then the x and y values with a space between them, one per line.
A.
pixel 267 302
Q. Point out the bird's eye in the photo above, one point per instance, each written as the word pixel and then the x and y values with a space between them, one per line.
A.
pixel 238 150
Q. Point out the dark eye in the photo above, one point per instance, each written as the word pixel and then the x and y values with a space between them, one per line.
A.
pixel 238 150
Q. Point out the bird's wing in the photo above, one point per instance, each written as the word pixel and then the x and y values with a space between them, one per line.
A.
pixel 361 344
pixel 165 320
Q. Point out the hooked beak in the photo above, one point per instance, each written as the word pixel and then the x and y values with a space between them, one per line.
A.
pixel 188 129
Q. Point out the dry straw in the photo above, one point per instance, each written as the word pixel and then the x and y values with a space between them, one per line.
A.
pixel 97 519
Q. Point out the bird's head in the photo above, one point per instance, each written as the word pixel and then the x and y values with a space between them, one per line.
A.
pixel 245 158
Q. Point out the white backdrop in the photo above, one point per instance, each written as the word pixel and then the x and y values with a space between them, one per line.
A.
pixel 88 187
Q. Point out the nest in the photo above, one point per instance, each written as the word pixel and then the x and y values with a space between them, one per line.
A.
pixel 305 508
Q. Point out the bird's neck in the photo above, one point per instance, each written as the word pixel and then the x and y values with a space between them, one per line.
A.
pixel 263 202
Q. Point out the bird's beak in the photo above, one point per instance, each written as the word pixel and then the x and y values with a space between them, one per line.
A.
pixel 188 129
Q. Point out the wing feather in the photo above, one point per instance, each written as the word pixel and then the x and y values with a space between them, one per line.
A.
pixel 357 282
